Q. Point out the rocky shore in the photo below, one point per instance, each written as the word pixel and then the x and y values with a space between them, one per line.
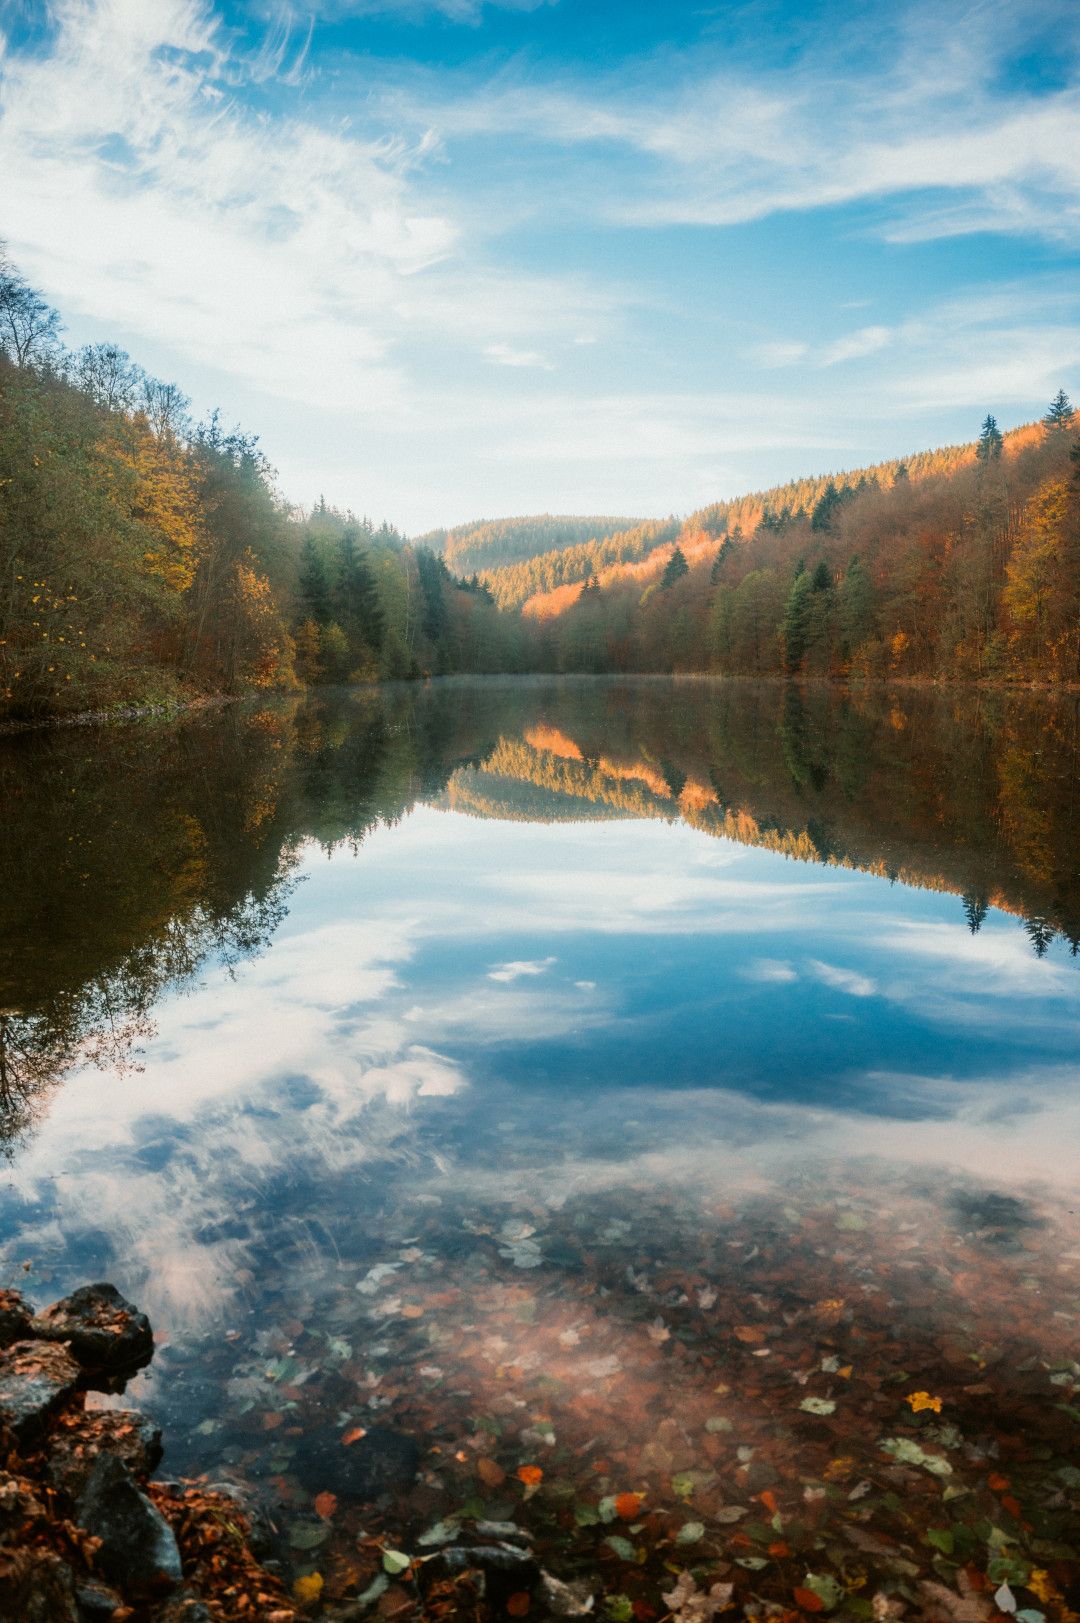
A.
pixel 84 1534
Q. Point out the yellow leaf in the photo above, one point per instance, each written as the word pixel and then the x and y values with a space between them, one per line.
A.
pixel 308 1588
pixel 922 1400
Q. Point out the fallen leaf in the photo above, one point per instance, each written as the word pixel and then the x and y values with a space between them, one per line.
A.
pixel 922 1400
pixel 518 1604
pixel 325 1505
pixel 308 1588
pixel 354 1435
pixel 626 1505
pixel 490 1473
pixel 808 1601
pixel 531 1475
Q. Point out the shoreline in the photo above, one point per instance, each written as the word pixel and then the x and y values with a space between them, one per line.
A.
pixel 12 728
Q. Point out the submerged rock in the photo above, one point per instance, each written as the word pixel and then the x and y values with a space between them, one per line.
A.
pixel 382 1461
pixel 263 1536
pixel 138 1548
pixel 97 1601
pixel 105 1332
pixel 35 1380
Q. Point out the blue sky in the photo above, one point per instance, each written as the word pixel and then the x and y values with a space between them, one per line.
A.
pixel 453 259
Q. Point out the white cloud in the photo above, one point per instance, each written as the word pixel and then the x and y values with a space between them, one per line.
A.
pixel 521 966
pixel 843 980
pixel 857 345
pixel 507 355
pixel 769 972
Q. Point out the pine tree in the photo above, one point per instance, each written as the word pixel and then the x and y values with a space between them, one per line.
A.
pixel 856 607
pixel 1060 413
pixel 675 568
pixel 314 584
pixel 990 442
pixel 797 619
pixel 975 910
pixel 357 594
pixel 822 516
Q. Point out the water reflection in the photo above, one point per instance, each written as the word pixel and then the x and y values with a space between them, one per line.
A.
pixel 478 1058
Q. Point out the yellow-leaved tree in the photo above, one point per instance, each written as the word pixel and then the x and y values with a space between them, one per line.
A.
pixel 1037 592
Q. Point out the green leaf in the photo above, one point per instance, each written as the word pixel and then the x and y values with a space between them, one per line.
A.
pixel 690 1532
pixel 825 1586
pixel 818 1405
pixel 909 1453
pixel 622 1547
pixel 718 1422
pixel 442 1533
pixel 607 1509
pixel 941 1538
pixel 682 1483
pixel 395 1561
pixel 308 1535
pixel 586 1515
pixel 619 1608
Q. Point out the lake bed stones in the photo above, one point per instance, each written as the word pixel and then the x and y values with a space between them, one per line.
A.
pixel 381 1461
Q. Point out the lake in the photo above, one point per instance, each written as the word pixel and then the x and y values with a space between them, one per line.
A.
pixel 656 1099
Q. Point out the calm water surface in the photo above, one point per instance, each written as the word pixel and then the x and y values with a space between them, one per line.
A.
pixel 660 1085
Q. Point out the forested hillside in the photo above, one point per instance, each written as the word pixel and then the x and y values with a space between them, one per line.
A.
pixel 490 543
pixel 145 557
pixel 959 564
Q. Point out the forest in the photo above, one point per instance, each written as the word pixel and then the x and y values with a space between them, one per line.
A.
pixel 148 558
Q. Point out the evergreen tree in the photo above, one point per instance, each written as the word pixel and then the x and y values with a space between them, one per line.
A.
pixel 360 610
pixel 900 474
pixel 1060 413
pixel 315 593
pixel 975 910
pixel 990 442
pixel 1040 932
pixel 797 619
pixel 675 568
pixel 724 552
pixel 856 607
pixel 434 579
pixel 825 507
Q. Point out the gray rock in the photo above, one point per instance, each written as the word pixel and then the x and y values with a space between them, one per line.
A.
pixel 106 1333
pixel 565 1600
pixel 34 1381
pixel 97 1601
pixel 502 1531
pixel 509 1558
pixel 138 1549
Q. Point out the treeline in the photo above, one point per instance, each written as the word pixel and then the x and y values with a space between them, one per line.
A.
pixel 970 571
pixel 145 557
pixel 490 543
pixel 512 585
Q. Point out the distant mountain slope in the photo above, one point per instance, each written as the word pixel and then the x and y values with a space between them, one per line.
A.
pixel 535 560
pixel 491 542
